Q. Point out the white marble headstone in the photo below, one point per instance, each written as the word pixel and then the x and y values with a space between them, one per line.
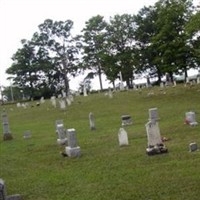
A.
pixel 122 137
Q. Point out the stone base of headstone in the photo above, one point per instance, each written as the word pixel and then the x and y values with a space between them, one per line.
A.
pixel 14 197
pixel 157 149
pixel 7 136
pixel 62 141
pixel 73 152
pixel 193 147
pixel 126 120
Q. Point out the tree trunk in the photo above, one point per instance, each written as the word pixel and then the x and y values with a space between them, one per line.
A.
pixel 100 78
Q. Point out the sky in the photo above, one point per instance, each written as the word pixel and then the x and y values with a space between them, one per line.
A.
pixel 19 19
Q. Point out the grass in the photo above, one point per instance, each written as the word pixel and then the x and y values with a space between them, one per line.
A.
pixel 35 169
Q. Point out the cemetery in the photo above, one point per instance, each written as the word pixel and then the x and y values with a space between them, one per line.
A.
pixel 113 147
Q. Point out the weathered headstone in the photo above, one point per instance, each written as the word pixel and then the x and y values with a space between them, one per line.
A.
pixel 122 137
pixel 92 121
pixel 68 100
pixel 53 101
pixel 62 104
pixel 155 144
pixel 3 193
pixel 72 150
pixel 42 100
pixel 190 118
pixel 193 147
pixel 126 120
pixel 61 132
pixel 6 129
pixel 153 114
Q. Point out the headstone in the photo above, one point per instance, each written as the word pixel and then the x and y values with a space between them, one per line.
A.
pixel 190 118
pixel 161 85
pixel 153 114
pixel 126 120
pixel 6 129
pixel 42 100
pixel 121 85
pixel 18 105
pixel 53 101
pixel 193 147
pixel 92 121
pixel 84 91
pixel 72 150
pixel 61 132
pixel 198 79
pixel 27 134
pixel 110 94
pixel 3 193
pixel 62 104
pixel 64 94
pixel 68 100
pixel 122 137
pixel 155 144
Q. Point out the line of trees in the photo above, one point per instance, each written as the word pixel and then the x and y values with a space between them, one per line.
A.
pixel 159 39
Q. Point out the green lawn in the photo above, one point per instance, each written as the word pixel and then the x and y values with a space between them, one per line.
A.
pixel 35 169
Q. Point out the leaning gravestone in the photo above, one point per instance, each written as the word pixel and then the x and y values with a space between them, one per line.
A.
pixel 122 137
pixel 190 118
pixel 61 132
pixel 92 121
pixel 72 150
pixel 6 129
pixel 126 120
pixel 3 193
pixel 153 114
pixel 155 144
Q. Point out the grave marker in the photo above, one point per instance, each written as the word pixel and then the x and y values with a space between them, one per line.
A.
pixel 126 120
pixel 190 118
pixel 6 129
pixel 153 114
pixel 155 144
pixel 122 137
pixel 92 121
pixel 72 150
pixel 61 132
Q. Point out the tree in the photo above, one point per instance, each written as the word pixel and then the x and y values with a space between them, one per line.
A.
pixel 121 48
pixel 24 68
pixel 94 35
pixel 171 40
pixel 55 41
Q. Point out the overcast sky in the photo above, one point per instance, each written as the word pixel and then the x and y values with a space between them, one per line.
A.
pixel 19 19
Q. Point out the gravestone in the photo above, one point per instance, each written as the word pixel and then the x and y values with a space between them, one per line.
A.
pixel 122 137
pixel 155 144
pixel 153 114
pixel 72 150
pixel 84 91
pixel 53 101
pixel 161 85
pixel 61 133
pixel 62 104
pixel 68 100
pixel 42 100
pixel 126 120
pixel 3 193
pixel 193 147
pixel 190 118
pixel 6 129
pixel 92 121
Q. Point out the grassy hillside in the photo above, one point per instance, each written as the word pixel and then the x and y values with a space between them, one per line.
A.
pixel 35 169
